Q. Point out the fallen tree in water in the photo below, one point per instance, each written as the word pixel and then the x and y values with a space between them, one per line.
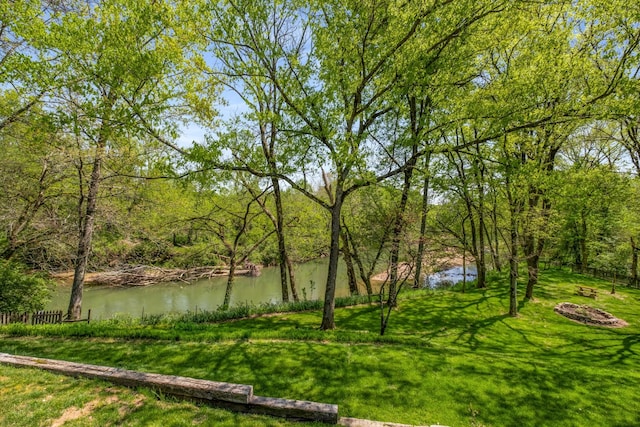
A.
pixel 144 275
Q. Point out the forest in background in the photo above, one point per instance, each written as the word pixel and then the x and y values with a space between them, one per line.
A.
pixel 375 131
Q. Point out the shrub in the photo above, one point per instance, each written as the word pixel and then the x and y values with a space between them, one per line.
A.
pixel 20 291
pixel 198 255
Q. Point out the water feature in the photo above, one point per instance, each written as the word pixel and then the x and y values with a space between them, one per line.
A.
pixel 451 276
pixel 105 302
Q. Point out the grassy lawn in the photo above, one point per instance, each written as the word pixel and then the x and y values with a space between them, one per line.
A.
pixel 449 358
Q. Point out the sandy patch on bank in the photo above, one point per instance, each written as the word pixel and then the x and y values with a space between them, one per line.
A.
pixel 429 266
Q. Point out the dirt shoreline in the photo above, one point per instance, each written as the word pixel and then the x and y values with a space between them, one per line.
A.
pixel 149 275
pixel 430 267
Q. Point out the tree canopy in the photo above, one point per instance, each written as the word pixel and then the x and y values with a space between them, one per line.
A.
pixel 366 130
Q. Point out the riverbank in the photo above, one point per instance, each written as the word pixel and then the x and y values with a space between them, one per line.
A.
pixel 145 275
pixel 431 265
pixel 205 294
pixel 447 358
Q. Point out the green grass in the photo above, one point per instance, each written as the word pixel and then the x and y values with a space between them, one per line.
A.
pixel 46 399
pixel 447 357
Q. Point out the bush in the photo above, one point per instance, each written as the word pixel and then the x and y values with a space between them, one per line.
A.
pixel 198 255
pixel 20 291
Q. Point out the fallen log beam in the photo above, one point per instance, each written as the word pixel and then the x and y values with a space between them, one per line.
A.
pixel 174 385
pixel 237 397
pixel 294 409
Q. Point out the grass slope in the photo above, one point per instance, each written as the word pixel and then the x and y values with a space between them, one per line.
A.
pixel 449 358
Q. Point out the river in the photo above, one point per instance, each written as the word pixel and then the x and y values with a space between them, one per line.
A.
pixel 106 302
pixel 451 276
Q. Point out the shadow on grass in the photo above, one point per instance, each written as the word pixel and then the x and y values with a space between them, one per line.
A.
pixel 524 394
pixel 464 359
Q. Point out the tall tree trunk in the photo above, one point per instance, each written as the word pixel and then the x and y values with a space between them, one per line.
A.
pixel 481 263
pixel 424 211
pixel 292 278
pixel 533 266
pixel 230 281
pixel 533 269
pixel 268 140
pixel 513 270
pixel 496 237
pixel 282 249
pixel 535 239
pixel 86 232
pixel 398 228
pixel 365 275
pixel 514 211
pixel 328 313
pixel 284 285
pixel 583 244
pixel 464 255
pixel 634 262
pixel 492 249
pixel 528 244
pixel 533 243
pixel 474 248
pixel 351 273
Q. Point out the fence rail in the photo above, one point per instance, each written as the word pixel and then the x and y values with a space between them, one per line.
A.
pixel 37 318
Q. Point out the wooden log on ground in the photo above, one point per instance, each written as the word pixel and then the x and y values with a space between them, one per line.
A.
pixel 169 384
pixel 237 397
pixel 295 409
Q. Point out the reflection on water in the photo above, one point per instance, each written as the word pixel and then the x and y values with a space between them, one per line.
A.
pixel 449 277
pixel 105 302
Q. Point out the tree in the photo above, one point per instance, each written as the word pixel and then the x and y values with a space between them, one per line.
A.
pixel 468 184
pixel 336 75
pixel 119 64
pixel 630 140
pixel 24 73
pixel 238 66
pixel 21 291
pixel 234 221
pixel 36 170
pixel 515 202
pixel 590 203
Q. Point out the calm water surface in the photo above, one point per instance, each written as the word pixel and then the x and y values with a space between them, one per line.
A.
pixel 105 302
pixel 451 276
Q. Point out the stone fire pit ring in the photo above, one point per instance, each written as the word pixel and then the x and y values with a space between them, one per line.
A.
pixel 588 315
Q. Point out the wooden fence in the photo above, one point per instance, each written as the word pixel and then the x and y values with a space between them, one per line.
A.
pixel 45 317
pixel 6 318
pixel 38 318
pixel 611 275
